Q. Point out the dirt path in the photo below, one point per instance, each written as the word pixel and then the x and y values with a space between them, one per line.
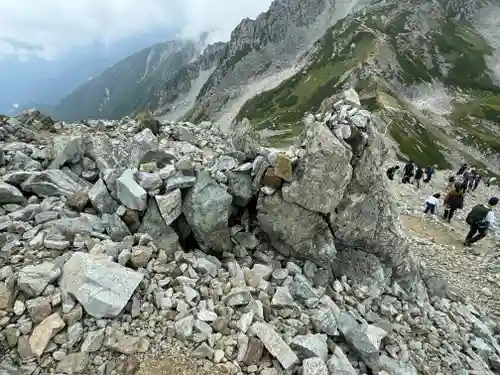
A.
pixel 441 244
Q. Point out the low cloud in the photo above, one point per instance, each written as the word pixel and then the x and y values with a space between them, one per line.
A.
pixel 50 28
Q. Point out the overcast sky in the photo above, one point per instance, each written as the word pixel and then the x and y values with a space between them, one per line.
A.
pixel 49 28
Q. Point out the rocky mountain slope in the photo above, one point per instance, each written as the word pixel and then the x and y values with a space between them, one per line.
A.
pixel 129 84
pixel 119 246
pixel 431 69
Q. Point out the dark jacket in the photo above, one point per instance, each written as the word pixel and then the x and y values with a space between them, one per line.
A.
pixel 454 199
pixel 408 170
pixel 419 173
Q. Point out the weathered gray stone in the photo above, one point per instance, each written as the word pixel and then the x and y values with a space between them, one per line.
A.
pixel 340 364
pixel 311 345
pixel 364 338
pixel 125 344
pixel 170 205
pixel 101 199
pixel 52 183
pixel 73 363
pixel 294 230
pixel 153 224
pixel 115 227
pixel 207 207
pixel 38 309
pixel 93 341
pixel 34 279
pixel 275 344
pixel 240 187
pixel 322 176
pixel 130 193
pixel 10 194
pixel 101 286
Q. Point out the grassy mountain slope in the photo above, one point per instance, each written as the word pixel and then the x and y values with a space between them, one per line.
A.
pixel 397 56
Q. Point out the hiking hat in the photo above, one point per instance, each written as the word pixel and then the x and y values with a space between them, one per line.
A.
pixel 493 201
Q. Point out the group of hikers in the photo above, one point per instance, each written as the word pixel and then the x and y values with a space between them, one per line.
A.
pixel 480 218
pixel 411 170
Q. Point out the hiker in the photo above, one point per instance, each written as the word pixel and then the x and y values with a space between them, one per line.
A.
pixel 471 177
pixel 477 179
pixel 418 176
pixel 464 184
pixel 408 172
pixel 451 183
pixel 480 218
pixel 432 203
pixel 430 171
pixel 453 201
pixel 462 169
pixel 391 172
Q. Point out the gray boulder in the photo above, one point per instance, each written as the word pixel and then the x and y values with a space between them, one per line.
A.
pixel 170 205
pixel 243 138
pixel 101 198
pixel 367 219
pixel 240 187
pixel 101 286
pixel 207 207
pixel 154 224
pixel 115 227
pixel 130 193
pixel 52 183
pixel 293 230
pixel 320 177
pixel 10 194
pixel 34 279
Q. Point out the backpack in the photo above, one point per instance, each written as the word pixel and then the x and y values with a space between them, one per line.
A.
pixel 477 215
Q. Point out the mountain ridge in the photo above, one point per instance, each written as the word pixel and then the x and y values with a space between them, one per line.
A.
pixel 431 68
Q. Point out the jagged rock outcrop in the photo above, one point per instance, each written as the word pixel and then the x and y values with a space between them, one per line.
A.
pixel 222 251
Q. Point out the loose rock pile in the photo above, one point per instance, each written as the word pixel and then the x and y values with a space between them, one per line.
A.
pixel 117 244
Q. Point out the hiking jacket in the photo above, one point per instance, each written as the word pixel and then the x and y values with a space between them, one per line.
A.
pixel 454 199
pixel 408 170
pixel 419 173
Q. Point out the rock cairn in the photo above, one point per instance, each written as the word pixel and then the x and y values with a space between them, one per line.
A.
pixel 117 245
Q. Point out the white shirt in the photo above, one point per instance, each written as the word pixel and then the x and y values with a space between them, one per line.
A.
pixel 490 218
pixel 433 200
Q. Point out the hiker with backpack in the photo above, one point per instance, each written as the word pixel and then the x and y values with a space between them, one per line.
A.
pixel 430 171
pixel 408 172
pixel 453 201
pixel 418 176
pixel 462 169
pixel 480 218
pixel 391 172
pixel 432 204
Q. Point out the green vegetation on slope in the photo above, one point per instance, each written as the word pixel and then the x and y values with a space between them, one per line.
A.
pixel 283 108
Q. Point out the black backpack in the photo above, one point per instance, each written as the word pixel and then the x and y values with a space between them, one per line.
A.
pixel 477 215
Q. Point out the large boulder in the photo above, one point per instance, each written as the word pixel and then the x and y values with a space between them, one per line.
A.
pixel 52 183
pixel 101 286
pixel 10 194
pixel 367 219
pixel 207 208
pixel 295 231
pixel 153 223
pixel 322 174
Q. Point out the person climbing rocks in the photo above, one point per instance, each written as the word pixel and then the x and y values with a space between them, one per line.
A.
pixel 408 172
pixel 391 172
pixel 480 219
pixel 418 176
pixel 432 204
pixel 430 171
pixel 452 179
pixel 477 179
pixel 462 169
pixel 464 184
pixel 453 201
